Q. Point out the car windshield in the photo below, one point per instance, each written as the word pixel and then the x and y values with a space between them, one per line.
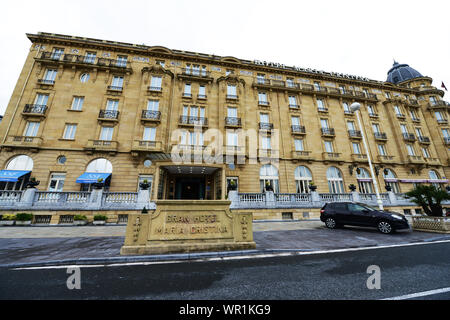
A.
pixel 367 207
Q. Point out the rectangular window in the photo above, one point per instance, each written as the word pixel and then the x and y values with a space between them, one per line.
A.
pixel 295 121
pixel 298 143
pixel 397 110
pixel 351 125
pixel 376 128
pixel 69 131
pixel 381 149
pixel 202 92
pixel 410 149
pixel 324 123
pixel 57 53
pixel 56 182
pixel 403 128
pixel 292 101
pixel 112 105
pixel 149 134
pixel 263 118
pixel 187 90
pixel 185 111
pixel 260 78
pixel 262 98
pixel 356 148
pixel 117 82
pixel 290 82
pixel 232 112
pixel 371 110
pixel 121 61
pixel 153 105
pixel 328 146
pixel 320 104
pixel 346 107
pixel 419 132
pixel 106 133
pixel 317 85
pixel 77 103
pixel 194 112
pixel 265 143
pixel 413 115
pixel 41 99
pixel 232 139
pixel 90 57
pixel 445 133
pixel 231 91
pixel 31 129
pixel 439 116
pixel 155 83
pixel 50 75
pixel 425 152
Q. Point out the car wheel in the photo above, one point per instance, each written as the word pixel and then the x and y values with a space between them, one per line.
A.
pixel 385 227
pixel 330 223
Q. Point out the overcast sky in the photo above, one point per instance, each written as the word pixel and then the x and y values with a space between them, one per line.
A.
pixel 355 37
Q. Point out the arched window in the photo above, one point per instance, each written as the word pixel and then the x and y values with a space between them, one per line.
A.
pixel 100 165
pixel 335 180
pixel 364 181
pixel 390 179
pixel 433 175
pixel 302 179
pixel 20 163
pixel 269 174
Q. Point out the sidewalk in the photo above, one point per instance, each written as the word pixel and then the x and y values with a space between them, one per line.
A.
pixel 64 245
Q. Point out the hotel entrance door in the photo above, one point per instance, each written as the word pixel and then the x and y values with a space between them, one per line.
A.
pixel 190 189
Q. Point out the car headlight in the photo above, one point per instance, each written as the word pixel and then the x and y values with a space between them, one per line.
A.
pixel 397 217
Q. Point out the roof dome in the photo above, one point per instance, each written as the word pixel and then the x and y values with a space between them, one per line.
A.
pixel 401 72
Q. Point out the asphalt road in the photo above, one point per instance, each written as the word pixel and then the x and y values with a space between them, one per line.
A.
pixel 327 276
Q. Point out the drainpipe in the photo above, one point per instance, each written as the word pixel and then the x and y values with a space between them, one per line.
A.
pixel 21 95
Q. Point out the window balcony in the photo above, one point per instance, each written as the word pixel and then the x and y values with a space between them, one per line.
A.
pixel 416 159
pixel 322 109
pixel 409 137
pixel 424 140
pixel 192 120
pixel 115 88
pixel 331 156
pixel 415 119
pixel 373 115
pixel 413 103
pixel 195 75
pixel 187 95
pixel 327 132
pixel 301 155
pixel 386 159
pixel 232 97
pixel 46 82
pixel 101 145
pixel 348 113
pixel 354 134
pixel 442 121
pixel 34 143
pixel 146 146
pixel 359 157
pixel 232 122
pixel 438 105
pixel 265 126
pixel 400 116
pixel 380 136
pixel 34 110
pixel 268 153
pixel 294 106
pixel 154 89
pixel 263 103
pixel 150 115
pixel 201 96
pixel 432 161
pixel 112 115
pixel 296 129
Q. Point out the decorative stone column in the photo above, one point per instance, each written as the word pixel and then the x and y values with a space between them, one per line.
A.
pixel 315 198
pixel 95 200
pixel 355 196
pixel 234 198
pixel 270 199
pixel 27 198
pixel 392 197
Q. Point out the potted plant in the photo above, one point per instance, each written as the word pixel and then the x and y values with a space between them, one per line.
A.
pixel 352 187
pixel 388 188
pixel 312 186
pixel 269 186
pixel 99 184
pixel 32 183
pixel 144 185
pixel 23 219
pixel 7 219
pixel 232 186
pixel 144 210
pixel 79 220
pixel 100 219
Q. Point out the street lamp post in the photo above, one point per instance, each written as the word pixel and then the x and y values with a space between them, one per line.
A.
pixel 355 108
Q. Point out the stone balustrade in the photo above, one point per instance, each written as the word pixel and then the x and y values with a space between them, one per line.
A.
pixel 32 199
pixel 270 200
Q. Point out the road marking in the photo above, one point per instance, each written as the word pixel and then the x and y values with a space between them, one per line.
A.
pixel 262 255
pixel 419 294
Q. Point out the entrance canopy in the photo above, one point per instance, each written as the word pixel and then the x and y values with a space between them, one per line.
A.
pixel 12 175
pixel 92 177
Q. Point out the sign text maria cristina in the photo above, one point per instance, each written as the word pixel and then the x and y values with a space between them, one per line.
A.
pixel 191 224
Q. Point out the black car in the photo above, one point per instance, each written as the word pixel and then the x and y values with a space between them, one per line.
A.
pixel 337 214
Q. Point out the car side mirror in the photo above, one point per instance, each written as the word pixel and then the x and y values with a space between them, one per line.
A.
pixel 365 211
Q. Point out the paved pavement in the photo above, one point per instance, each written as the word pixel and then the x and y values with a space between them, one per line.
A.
pixel 96 244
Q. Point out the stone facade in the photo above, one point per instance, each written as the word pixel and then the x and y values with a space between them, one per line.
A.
pixel 270 93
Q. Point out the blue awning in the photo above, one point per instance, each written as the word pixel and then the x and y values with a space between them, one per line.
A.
pixel 12 175
pixel 92 177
